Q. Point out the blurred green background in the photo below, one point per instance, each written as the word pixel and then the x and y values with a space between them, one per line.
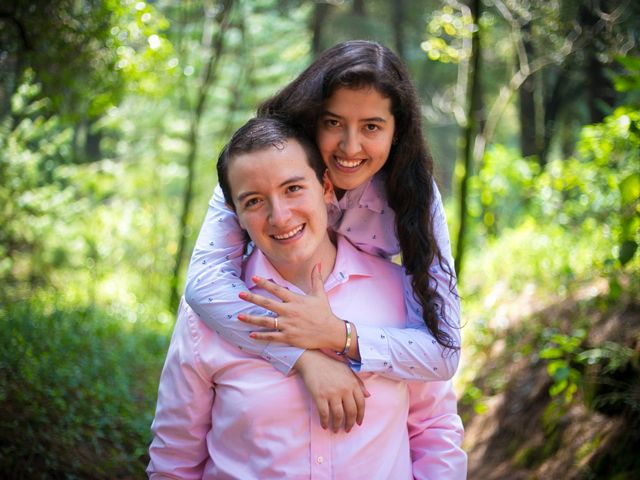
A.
pixel 112 114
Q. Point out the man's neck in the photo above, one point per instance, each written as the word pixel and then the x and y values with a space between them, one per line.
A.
pixel 300 274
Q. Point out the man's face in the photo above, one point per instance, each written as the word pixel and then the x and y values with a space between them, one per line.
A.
pixel 281 203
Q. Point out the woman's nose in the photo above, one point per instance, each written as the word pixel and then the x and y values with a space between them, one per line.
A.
pixel 350 143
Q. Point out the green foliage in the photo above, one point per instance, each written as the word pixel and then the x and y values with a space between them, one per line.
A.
pixel 77 392
pixel 446 31
pixel 100 50
pixel 561 351
pixel 34 205
pixel 543 236
pixel 614 355
pixel 473 398
pixel 630 80
pixel 612 385
pixel 593 195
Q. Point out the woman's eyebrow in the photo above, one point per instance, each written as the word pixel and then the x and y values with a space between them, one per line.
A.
pixel 329 113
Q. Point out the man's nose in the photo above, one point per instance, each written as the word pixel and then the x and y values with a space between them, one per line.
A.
pixel 279 214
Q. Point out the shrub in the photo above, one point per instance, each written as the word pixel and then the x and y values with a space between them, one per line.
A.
pixel 77 392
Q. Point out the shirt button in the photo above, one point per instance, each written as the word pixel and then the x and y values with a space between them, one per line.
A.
pixel 320 460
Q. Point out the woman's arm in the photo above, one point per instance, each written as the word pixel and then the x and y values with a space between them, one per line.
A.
pixel 413 353
pixel 214 282
pixel 307 321
pixel 410 353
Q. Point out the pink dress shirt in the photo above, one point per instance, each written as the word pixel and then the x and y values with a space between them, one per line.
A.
pixel 224 413
pixel 405 351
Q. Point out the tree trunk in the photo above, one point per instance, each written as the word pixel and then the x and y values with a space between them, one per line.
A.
pixel 92 148
pixel 599 89
pixel 319 15
pixel 358 8
pixel 474 117
pixel 209 73
pixel 398 18
pixel 552 106
pixel 529 144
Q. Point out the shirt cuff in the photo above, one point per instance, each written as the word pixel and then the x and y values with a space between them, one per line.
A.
pixel 283 357
pixel 373 346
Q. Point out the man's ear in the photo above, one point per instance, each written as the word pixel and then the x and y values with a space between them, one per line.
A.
pixel 327 187
pixel 233 209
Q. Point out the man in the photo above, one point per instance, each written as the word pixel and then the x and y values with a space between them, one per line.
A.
pixel 223 413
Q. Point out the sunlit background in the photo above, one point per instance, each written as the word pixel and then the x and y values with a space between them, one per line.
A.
pixel 112 114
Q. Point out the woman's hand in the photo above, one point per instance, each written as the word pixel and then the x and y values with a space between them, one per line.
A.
pixel 337 392
pixel 303 321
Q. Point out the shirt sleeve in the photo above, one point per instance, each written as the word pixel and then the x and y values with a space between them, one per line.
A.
pixel 413 353
pixel 435 432
pixel 183 411
pixel 214 282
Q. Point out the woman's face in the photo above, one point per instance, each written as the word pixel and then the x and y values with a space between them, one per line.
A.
pixel 354 135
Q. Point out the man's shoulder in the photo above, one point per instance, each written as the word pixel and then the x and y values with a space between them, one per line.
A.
pixel 374 264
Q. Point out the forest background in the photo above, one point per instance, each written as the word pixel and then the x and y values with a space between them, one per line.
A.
pixel 112 114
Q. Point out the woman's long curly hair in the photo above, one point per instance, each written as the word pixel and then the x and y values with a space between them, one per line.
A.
pixel 409 186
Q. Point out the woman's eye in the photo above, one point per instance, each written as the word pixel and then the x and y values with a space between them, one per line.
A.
pixel 372 127
pixel 330 122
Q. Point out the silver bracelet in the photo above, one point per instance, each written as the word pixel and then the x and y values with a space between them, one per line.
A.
pixel 347 343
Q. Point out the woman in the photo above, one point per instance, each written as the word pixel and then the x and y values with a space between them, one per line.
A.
pixel 357 102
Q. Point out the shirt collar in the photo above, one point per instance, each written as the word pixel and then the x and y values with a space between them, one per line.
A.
pixel 350 262
pixel 375 195
pixel 371 195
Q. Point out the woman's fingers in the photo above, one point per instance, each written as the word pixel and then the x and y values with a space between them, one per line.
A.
pixel 261 301
pixel 282 293
pixel 258 321
pixel 272 324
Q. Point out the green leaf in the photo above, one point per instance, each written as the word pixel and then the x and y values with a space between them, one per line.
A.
pixel 630 189
pixel 549 353
pixel 627 251
pixel 556 365
pixel 557 388
pixel 561 374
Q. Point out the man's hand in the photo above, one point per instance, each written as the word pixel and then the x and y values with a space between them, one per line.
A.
pixel 337 392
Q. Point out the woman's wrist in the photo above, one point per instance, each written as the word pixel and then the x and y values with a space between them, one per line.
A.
pixel 337 335
pixel 345 339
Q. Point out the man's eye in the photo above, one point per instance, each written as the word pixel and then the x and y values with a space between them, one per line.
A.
pixel 251 202
pixel 294 188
